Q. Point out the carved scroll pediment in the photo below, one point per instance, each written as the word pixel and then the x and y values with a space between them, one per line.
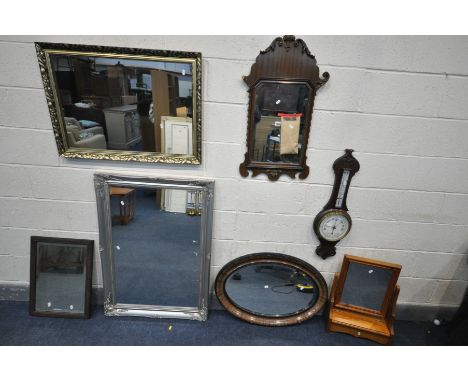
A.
pixel 287 42
pixel 286 57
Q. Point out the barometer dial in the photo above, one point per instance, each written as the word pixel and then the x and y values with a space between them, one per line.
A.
pixel 334 225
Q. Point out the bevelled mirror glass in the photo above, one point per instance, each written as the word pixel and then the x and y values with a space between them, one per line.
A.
pixel 155 242
pixel 60 277
pixel 123 103
pixel 366 285
pixel 272 290
pixel 282 85
pixel 280 115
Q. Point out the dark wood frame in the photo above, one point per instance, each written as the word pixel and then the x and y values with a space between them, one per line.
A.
pixel 89 244
pixel 345 162
pixel 353 319
pixel 271 258
pixel 286 60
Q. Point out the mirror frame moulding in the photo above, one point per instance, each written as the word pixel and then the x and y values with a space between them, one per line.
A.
pixel 286 60
pixel 270 258
pixel 45 49
pixel 111 306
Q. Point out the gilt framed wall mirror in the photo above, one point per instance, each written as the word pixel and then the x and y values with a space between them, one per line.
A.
pixel 155 243
pixel 123 103
pixel 282 83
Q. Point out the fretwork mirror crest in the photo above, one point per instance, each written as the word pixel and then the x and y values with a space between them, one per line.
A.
pixel 125 104
pixel 155 244
pixel 282 83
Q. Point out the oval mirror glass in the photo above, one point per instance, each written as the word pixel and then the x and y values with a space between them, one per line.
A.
pixel 271 290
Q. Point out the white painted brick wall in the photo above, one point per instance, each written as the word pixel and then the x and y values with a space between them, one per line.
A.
pixel 399 101
pixel 20 107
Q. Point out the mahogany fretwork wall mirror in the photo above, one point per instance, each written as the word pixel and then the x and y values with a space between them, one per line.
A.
pixel 282 85
pixel 123 103
pixel 363 299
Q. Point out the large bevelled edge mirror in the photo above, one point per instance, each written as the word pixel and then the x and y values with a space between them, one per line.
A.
pixel 282 83
pixel 126 104
pixel 155 245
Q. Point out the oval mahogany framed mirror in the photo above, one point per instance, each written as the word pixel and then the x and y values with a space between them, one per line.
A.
pixel 271 289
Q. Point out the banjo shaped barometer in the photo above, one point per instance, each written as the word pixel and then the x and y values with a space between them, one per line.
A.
pixel 333 223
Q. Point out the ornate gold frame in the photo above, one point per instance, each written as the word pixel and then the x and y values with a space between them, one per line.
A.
pixel 44 50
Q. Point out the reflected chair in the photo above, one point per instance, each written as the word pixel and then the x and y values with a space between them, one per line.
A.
pixel 91 138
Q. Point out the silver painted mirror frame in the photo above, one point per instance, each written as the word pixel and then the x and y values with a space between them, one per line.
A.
pixel 102 182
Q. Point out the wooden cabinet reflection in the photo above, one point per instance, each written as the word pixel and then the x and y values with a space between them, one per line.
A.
pixel 126 198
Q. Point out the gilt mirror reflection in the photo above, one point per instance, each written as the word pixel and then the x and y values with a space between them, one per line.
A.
pixel 60 277
pixel 122 103
pixel 282 85
pixel 156 238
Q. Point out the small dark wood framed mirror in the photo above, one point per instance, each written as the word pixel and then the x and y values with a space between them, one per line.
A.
pixel 60 277
pixel 271 289
pixel 363 299
pixel 282 85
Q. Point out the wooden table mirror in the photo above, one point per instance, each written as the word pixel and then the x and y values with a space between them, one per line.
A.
pixel 363 299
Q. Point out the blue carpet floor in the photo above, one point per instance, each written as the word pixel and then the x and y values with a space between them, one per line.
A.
pixel 17 327
pixel 157 261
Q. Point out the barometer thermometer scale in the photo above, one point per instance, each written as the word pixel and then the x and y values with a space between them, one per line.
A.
pixel 333 223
